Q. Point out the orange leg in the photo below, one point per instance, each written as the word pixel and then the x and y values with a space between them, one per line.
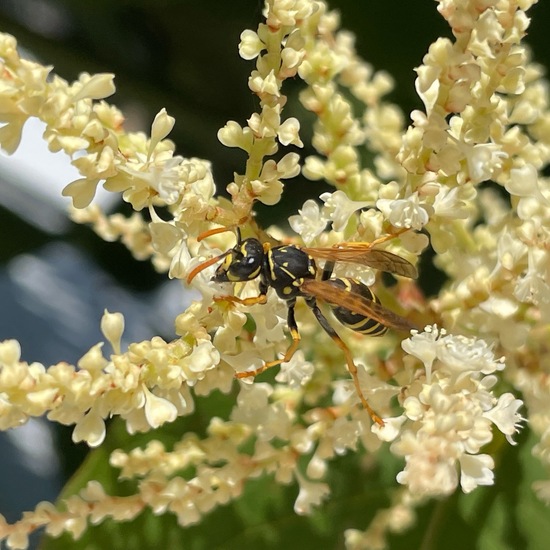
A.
pixel 352 368
pixel 287 357
pixel 390 236
pixel 289 352
pixel 355 377
pixel 261 299
pixel 374 243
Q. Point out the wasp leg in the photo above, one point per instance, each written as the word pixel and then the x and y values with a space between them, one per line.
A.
pixel 376 242
pixel 349 358
pixel 252 300
pixel 388 237
pixel 293 327
pixel 327 270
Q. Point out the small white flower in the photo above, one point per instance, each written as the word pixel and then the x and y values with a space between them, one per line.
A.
pixel 339 208
pixel 10 352
pixel 504 415
pixel 463 356
pixel 253 405
pixel 314 168
pixel 268 85
pixel 407 212
pixel 309 223
pixel 90 428
pixel 391 428
pixel 112 327
pixel 289 132
pixel 316 468
pixel 98 86
pixel 311 494
pixel 181 263
pixel 499 306
pixel 233 135
pixel 93 359
pixel 158 411
pixel 203 358
pixel 524 183
pixel 447 203
pixel 161 127
pixel 476 470
pixel 345 434
pixel 268 192
pixel 296 372
pixel 165 236
pixel 422 346
pixel 164 177
pixel 82 191
pixel 414 408
pixel 484 160
pixel 510 250
pixel 245 361
pixel 289 166
pixel 250 45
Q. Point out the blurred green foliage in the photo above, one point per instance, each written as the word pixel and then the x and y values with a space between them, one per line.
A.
pixel 506 516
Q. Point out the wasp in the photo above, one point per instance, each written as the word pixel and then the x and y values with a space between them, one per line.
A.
pixel 292 272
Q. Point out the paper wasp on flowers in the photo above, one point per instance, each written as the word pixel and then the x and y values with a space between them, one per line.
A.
pixel 292 272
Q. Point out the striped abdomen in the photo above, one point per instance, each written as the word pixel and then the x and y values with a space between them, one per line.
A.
pixel 357 321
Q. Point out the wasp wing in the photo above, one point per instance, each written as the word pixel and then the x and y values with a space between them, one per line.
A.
pixel 381 260
pixel 336 296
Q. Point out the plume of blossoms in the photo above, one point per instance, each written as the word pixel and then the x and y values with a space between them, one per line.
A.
pixel 449 414
pixel 147 385
pixel 500 282
pixel 486 118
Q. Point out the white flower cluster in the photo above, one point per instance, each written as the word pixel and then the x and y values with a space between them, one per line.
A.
pixel 449 414
pixel 485 119
pixel 148 385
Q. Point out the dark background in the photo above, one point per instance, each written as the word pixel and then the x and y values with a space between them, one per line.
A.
pixel 181 55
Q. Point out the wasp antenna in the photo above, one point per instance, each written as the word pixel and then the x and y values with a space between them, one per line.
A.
pixel 239 236
pixel 214 231
pixel 204 265
pixel 218 230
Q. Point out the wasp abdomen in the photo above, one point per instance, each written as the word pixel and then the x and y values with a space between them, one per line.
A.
pixel 357 321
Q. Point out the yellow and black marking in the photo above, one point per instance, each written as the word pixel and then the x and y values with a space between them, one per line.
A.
pixel 292 272
pixel 241 263
pixel 357 321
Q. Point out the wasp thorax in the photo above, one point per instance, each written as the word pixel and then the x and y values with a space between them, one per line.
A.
pixel 242 263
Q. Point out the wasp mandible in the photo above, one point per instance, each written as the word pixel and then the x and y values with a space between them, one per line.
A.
pixel 292 272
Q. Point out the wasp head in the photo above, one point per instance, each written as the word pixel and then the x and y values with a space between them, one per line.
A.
pixel 242 263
